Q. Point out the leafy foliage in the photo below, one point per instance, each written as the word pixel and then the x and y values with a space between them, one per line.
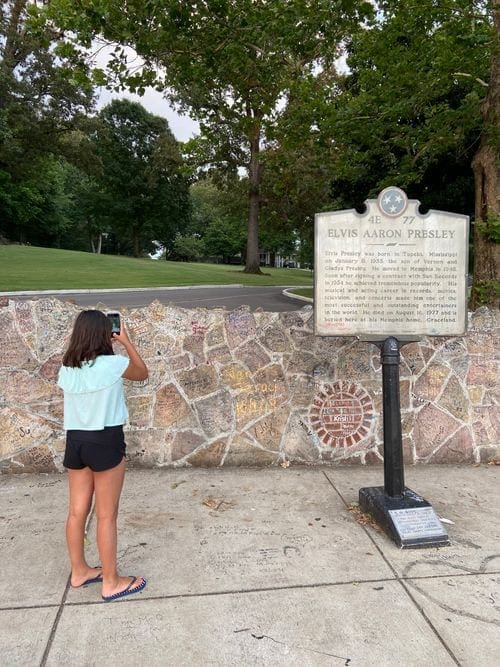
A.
pixel 187 248
pixel 229 62
pixel 147 193
pixel 218 215
pixel 43 89
pixel 409 111
pixel 492 228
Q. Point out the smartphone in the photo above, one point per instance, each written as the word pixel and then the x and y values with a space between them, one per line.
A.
pixel 114 318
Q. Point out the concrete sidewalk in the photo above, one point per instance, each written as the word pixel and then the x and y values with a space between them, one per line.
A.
pixel 255 567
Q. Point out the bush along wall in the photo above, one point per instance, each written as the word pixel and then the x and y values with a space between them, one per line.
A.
pixel 236 388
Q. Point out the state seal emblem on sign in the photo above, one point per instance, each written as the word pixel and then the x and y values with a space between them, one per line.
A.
pixel 341 414
pixel 392 202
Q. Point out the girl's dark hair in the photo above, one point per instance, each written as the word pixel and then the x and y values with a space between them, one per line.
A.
pixel 91 337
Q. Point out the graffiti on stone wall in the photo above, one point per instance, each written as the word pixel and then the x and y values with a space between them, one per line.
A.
pixel 243 388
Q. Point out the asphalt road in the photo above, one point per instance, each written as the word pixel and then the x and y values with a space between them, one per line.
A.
pixel 230 297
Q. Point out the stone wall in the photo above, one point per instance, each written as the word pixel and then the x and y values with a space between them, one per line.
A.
pixel 242 388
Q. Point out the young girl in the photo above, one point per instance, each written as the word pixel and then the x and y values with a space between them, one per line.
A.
pixel 94 414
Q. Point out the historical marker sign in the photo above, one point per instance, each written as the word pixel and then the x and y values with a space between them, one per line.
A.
pixel 388 275
pixel 391 271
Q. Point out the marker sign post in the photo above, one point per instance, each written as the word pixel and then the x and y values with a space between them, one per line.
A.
pixel 389 276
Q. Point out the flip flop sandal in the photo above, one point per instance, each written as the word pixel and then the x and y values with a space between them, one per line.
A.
pixel 130 590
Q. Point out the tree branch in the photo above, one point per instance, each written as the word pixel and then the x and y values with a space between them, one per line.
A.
pixel 476 78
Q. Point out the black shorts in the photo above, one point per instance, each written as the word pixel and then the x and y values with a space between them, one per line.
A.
pixel 99 450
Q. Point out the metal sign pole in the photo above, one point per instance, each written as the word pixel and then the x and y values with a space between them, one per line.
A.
pixel 407 517
pixel 394 482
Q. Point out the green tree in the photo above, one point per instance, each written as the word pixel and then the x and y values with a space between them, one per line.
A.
pixel 88 209
pixel 300 171
pixel 410 112
pixel 36 208
pixel 406 101
pixel 187 248
pixel 142 176
pixel 218 215
pixel 229 62
pixel 43 89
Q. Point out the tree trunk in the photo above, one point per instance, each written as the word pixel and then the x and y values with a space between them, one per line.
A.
pixel 486 278
pixel 252 264
pixel 136 245
pixel 96 249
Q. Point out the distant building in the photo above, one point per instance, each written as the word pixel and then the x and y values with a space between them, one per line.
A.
pixel 278 261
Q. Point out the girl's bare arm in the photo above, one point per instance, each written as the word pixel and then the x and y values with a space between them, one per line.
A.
pixel 137 369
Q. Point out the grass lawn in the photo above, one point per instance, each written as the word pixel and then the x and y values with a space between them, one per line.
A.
pixel 304 291
pixel 31 268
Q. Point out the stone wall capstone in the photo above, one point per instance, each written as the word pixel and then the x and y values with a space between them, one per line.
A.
pixel 231 388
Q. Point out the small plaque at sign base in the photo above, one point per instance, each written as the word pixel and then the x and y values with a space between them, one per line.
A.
pixel 409 520
pixel 416 522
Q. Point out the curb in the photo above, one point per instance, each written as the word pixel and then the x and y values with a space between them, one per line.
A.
pixel 117 289
pixel 299 297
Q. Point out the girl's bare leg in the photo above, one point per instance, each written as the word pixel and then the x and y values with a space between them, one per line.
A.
pixel 81 489
pixel 108 486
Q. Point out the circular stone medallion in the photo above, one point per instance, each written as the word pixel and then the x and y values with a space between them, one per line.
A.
pixel 341 414
pixel 392 201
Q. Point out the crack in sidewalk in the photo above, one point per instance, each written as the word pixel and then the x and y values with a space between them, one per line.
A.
pixel 346 660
